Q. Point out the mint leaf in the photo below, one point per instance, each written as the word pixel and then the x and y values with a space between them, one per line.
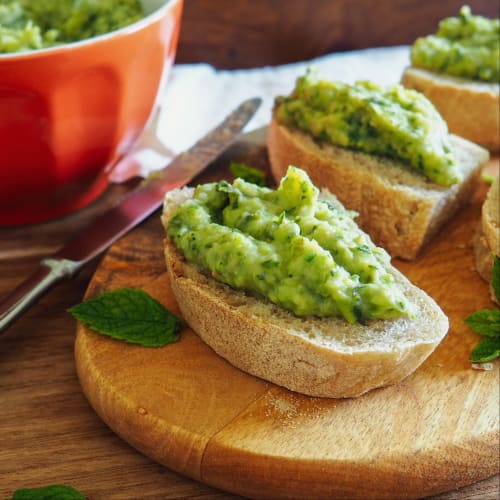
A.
pixel 130 315
pixel 495 277
pixel 52 492
pixel 485 322
pixel 487 349
pixel 248 173
pixel 489 179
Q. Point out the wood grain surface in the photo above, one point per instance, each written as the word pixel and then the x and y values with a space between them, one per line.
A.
pixel 188 409
pixel 48 431
pixel 249 33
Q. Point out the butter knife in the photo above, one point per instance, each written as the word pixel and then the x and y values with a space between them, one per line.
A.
pixel 136 206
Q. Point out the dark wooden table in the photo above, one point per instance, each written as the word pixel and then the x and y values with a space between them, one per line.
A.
pixel 249 33
pixel 48 432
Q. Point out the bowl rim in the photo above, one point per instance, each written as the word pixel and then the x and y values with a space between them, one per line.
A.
pixel 138 25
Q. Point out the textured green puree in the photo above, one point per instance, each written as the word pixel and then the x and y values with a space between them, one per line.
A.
pixel 465 46
pixel 290 246
pixel 37 24
pixel 395 122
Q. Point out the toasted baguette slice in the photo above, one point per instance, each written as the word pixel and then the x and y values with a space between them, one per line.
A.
pixel 483 255
pixel 487 240
pixel 490 215
pixel 470 108
pixel 315 356
pixel 399 208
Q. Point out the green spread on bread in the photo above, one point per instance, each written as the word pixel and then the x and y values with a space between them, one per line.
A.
pixel 395 122
pixel 290 246
pixel 466 46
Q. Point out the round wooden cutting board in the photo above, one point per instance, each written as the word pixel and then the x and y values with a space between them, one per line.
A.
pixel 188 409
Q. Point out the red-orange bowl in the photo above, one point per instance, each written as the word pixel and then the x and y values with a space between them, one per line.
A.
pixel 68 113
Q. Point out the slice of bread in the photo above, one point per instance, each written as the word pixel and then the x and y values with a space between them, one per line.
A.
pixel 471 108
pixel 326 357
pixel 483 255
pixel 487 240
pixel 399 208
pixel 490 215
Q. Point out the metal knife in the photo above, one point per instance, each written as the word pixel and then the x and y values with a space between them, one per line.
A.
pixel 133 209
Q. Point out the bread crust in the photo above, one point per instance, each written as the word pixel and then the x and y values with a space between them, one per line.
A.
pixel 487 240
pixel 490 215
pixel 400 209
pixel 470 108
pixel 325 357
pixel 483 255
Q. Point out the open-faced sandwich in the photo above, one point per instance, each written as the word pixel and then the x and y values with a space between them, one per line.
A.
pixel 385 153
pixel 285 286
pixel 458 70
pixel 487 241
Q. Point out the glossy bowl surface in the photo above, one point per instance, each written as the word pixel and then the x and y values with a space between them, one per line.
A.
pixel 67 113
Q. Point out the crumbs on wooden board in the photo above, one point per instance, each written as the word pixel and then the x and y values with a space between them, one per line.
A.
pixel 291 407
pixel 482 366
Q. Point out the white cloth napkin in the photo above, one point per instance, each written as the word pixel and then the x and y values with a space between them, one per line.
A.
pixel 197 97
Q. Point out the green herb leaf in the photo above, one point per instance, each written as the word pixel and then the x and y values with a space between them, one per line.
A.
pixel 248 173
pixel 495 277
pixel 52 492
pixel 130 315
pixel 487 349
pixel 489 179
pixel 485 322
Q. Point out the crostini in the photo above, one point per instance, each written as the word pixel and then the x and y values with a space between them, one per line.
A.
pixel 458 70
pixel 285 286
pixel 385 153
pixel 487 240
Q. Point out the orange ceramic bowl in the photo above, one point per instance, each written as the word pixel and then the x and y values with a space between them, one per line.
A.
pixel 68 113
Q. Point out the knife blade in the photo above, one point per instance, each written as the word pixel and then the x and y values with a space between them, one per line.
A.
pixel 136 206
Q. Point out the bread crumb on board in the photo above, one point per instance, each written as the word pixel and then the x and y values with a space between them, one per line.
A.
pixel 482 366
pixel 290 408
